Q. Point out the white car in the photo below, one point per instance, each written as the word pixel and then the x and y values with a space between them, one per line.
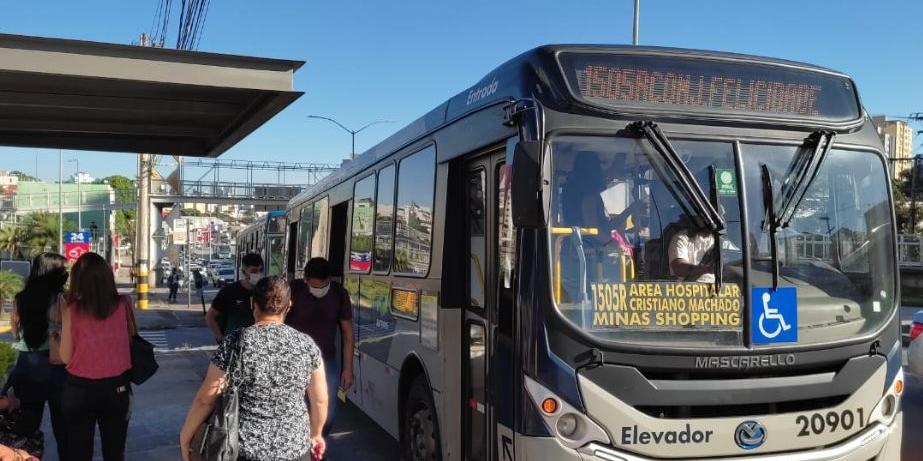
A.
pixel 915 351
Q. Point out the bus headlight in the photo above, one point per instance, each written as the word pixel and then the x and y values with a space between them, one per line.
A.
pixel 572 428
pixel 887 407
pixel 567 425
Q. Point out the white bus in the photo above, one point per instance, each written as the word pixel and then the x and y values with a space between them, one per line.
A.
pixel 623 254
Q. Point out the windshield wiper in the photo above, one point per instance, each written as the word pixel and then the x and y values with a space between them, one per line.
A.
pixel 801 174
pixel 675 173
pixel 770 222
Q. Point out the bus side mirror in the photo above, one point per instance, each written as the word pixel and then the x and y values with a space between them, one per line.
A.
pixel 527 185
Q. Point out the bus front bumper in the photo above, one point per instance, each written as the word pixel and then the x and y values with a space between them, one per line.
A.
pixel 878 442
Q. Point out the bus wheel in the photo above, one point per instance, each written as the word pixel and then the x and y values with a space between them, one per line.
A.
pixel 421 430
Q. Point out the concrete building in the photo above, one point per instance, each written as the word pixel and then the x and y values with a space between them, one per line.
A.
pixel 82 178
pixel 897 137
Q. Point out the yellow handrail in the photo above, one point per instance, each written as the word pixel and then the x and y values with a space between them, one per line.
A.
pixel 570 230
pixel 627 263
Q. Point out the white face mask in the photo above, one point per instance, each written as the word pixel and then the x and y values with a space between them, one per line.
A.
pixel 252 279
pixel 319 292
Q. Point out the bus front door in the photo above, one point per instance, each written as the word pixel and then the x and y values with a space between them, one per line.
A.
pixel 478 418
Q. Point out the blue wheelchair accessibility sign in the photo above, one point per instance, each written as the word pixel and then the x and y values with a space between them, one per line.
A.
pixel 775 315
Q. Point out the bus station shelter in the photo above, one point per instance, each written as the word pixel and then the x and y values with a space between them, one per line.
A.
pixel 70 94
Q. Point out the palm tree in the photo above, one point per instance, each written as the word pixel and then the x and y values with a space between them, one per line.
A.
pixel 42 232
pixel 11 240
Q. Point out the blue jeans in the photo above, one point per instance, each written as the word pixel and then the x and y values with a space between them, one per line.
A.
pixel 332 370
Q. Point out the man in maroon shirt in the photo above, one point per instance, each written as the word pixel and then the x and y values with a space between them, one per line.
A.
pixel 319 306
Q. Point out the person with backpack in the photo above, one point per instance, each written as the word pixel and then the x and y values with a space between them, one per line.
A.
pixel 320 307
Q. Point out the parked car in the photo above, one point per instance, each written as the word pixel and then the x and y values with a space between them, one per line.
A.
pixel 224 277
pixel 915 351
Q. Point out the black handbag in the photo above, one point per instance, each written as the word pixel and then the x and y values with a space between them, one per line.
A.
pixel 143 363
pixel 218 439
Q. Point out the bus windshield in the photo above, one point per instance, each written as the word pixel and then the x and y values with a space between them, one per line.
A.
pixel 630 265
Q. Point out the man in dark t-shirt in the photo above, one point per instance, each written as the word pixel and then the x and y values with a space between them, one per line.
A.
pixel 231 307
pixel 319 308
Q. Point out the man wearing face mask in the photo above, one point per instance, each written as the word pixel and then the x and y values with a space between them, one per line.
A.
pixel 319 307
pixel 230 309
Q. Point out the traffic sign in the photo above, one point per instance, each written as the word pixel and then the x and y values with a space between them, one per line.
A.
pixel 180 236
pixel 77 237
pixel 73 251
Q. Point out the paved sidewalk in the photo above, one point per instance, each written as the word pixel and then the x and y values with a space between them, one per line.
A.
pixel 159 409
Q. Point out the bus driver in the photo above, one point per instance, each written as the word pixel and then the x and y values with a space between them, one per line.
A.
pixel 690 252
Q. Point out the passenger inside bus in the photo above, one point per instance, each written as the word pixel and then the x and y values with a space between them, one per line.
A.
pixel 581 200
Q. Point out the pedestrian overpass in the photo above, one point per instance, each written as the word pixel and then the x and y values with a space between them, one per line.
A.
pixel 71 94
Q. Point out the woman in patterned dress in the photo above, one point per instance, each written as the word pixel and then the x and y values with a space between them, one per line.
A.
pixel 277 367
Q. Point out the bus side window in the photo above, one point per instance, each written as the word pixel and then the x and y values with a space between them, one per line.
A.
pixel 360 244
pixel 384 221
pixel 304 235
pixel 320 225
pixel 414 220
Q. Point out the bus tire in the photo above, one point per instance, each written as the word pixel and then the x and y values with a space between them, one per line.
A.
pixel 421 428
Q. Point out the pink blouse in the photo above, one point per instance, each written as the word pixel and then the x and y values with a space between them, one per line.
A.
pixel 100 347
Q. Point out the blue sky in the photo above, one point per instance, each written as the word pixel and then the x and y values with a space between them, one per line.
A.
pixel 396 60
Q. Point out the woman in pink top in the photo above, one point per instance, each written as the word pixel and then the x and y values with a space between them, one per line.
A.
pixel 95 347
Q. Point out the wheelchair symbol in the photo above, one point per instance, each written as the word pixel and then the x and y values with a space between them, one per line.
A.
pixel 771 313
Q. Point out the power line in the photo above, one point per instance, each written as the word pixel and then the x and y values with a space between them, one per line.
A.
pixel 155 23
pixel 201 25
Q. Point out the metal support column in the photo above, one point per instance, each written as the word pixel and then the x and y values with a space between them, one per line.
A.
pixel 143 229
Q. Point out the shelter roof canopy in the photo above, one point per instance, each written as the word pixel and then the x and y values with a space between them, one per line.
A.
pixel 70 94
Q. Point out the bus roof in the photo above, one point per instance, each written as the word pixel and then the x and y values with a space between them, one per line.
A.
pixel 518 78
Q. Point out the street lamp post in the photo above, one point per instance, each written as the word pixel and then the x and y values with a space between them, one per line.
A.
pixel 634 34
pixel 60 202
pixel 79 198
pixel 351 132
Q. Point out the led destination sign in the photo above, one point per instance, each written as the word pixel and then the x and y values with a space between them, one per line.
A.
pixel 711 86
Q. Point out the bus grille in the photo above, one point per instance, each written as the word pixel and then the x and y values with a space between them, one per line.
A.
pixel 748 409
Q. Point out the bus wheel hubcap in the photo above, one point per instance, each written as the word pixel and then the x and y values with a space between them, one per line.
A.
pixel 422 443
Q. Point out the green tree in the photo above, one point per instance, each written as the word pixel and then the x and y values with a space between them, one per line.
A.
pixel 125 189
pixel 902 189
pixel 11 240
pixel 10 284
pixel 125 222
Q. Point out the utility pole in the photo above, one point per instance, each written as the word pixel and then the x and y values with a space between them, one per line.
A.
pixel 60 202
pixel 143 229
pixel 143 221
pixel 634 36
pixel 188 262
pixel 913 196
pixel 76 160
